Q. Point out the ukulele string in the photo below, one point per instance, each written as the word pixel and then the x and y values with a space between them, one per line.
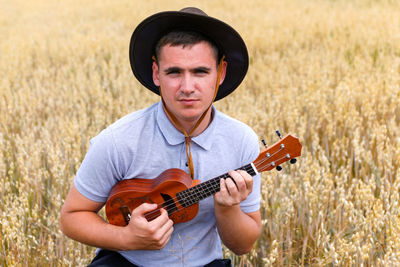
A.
pixel 262 161
pixel 170 205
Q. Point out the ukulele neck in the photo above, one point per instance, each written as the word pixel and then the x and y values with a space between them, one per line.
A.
pixel 201 191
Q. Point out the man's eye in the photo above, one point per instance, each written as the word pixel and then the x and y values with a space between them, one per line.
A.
pixel 173 72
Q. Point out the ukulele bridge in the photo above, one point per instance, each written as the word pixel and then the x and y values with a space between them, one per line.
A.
pixel 126 212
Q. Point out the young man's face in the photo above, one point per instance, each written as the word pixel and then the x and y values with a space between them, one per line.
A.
pixel 187 78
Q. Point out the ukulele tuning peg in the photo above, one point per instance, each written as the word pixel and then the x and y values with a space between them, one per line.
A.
pixel 265 144
pixel 293 161
pixel 278 168
pixel 278 134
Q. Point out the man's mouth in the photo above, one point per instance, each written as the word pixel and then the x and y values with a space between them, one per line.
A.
pixel 188 101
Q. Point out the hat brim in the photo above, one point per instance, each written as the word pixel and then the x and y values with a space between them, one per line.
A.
pixel 149 31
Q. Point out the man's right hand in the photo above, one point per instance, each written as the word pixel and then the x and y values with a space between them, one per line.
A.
pixel 80 221
pixel 142 234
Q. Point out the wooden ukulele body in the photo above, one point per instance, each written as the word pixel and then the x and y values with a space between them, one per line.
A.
pixel 128 194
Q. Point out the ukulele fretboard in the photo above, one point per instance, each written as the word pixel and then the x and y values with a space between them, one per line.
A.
pixel 201 191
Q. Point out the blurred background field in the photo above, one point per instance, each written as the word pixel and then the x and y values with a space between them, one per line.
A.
pixel 325 71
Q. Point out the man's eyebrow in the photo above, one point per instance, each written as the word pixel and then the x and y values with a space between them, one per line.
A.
pixel 202 69
pixel 172 69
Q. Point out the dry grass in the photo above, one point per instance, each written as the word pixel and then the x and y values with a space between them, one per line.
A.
pixel 326 71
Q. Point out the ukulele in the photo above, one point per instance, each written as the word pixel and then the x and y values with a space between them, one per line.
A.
pixel 176 192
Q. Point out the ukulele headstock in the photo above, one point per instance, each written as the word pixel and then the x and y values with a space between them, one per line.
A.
pixel 286 149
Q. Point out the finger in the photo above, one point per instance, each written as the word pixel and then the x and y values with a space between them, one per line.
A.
pixel 169 233
pixel 238 180
pixel 224 196
pixel 222 188
pixel 144 208
pixel 228 188
pixel 162 228
pixel 248 179
pixel 231 187
pixel 164 222
pixel 162 219
pixel 167 230
pixel 165 239
pixel 161 234
pixel 144 211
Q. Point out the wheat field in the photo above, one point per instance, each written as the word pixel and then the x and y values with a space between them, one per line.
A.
pixel 325 71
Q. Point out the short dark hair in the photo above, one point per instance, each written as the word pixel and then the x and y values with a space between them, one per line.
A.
pixel 184 38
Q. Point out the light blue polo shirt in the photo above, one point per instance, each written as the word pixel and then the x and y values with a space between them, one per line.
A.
pixel 145 143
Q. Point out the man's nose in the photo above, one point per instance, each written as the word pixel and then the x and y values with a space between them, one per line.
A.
pixel 187 84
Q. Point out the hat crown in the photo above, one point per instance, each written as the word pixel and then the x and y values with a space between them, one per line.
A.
pixel 193 10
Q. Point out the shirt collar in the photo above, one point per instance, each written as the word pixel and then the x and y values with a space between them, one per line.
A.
pixel 175 137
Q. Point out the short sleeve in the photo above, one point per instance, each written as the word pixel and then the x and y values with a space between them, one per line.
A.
pixel 99 170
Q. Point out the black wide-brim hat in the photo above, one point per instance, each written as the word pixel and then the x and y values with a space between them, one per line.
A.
pixel 227 39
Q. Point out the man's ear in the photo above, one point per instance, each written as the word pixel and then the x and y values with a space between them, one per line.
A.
pixel 156 74
pixel 224 66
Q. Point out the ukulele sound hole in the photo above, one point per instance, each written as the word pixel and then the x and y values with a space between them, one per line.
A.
pixel 169 204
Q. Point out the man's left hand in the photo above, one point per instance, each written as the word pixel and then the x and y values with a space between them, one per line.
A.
pixel 235 189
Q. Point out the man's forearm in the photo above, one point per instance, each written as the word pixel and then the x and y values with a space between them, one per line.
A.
pixel 89 228
pixel 238 230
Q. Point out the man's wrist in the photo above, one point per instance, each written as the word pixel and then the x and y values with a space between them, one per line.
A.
pixel 121 237
pixel 224 209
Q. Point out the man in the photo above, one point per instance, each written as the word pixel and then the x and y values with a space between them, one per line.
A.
pixel 190 59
